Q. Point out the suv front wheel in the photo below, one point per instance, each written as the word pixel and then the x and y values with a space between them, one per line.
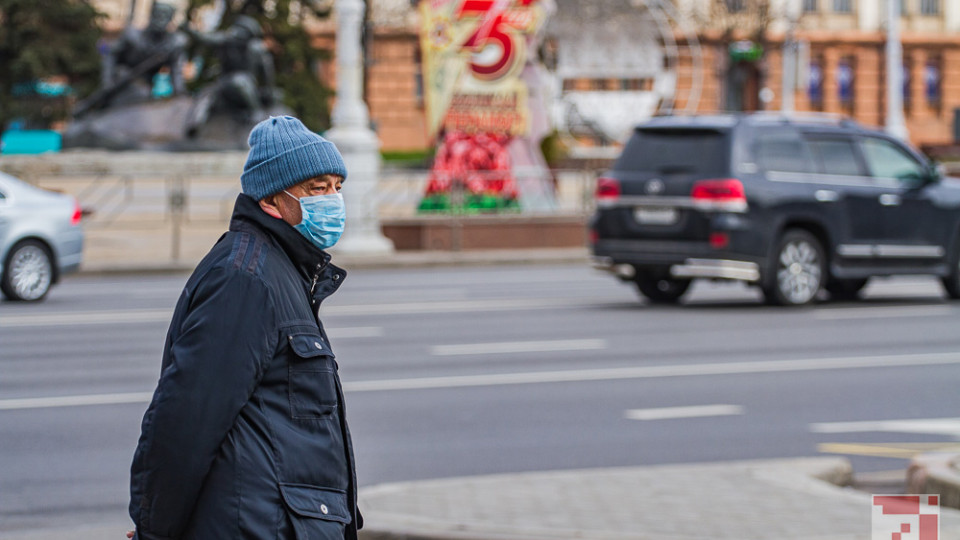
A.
pixel 798 269
pixel 661 290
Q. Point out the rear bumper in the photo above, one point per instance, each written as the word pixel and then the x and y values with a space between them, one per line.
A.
pixel 717 269
pixel 687 260
pixel 70 250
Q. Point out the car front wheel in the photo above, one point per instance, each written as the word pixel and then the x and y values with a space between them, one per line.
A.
pixel 662 290
pixel 798 270
pixel 27 272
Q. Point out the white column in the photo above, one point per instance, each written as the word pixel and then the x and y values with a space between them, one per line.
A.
pixel 355 140
pixel 868 15
pixel 792 10
pixel 895 122
pixel 951 16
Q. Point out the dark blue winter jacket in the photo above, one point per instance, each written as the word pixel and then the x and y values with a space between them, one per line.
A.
pixel 246 436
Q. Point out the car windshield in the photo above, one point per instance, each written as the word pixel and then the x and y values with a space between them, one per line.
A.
pixel 693 151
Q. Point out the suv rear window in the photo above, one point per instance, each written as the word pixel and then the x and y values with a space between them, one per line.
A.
pixel 693 151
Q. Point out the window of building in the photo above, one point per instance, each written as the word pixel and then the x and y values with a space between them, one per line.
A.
pixel 929 7
pixel 636 85
pixel 906 80
pixel 843 6
pixel 598 84
pixel 845 83
pixel 736 6
pixel 933 82
pixel 810 6
pixel 815 84
pixel 418 76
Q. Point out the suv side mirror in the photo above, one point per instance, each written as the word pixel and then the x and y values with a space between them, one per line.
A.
pixel 939 171
pixel 935 172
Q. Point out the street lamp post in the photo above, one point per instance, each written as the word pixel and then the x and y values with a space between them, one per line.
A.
pixel 895 124
pixel 355 140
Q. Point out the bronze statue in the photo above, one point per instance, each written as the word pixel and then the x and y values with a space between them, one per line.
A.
pixel 136 58
pixel 245 85
pixel 122 114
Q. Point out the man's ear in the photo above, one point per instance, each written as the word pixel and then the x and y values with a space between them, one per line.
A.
pixel 269 205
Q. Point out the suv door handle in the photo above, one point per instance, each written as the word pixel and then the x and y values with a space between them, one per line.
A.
pixel 889 199
pixel 826 195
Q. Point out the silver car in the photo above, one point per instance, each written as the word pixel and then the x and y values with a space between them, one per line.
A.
pixel 40 239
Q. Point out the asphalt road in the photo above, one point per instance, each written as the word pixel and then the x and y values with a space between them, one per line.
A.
pixel 462 371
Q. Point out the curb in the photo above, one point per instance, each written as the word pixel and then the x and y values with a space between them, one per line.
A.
pixel 936 473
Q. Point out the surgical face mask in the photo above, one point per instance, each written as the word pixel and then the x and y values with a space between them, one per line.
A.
pixel 323 217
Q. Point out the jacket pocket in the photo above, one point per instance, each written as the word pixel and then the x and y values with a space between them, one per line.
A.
pixel 312 377
pixel 316 513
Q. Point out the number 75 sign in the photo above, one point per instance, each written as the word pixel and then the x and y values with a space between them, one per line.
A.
pixel 494 44
pixel 476 49
pixel 906 517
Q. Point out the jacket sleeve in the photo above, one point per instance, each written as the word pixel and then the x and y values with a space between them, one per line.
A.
pixel 216 354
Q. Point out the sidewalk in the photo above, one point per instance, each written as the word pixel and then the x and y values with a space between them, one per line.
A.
pixel 791 499
pixel 785 499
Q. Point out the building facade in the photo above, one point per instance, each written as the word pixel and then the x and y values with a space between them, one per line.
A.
pixel 736 64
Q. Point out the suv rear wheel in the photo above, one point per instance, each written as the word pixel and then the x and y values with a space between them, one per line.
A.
pixel 798 270
pixel 661 290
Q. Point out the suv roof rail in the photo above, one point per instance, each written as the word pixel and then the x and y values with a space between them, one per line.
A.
pixel 805 116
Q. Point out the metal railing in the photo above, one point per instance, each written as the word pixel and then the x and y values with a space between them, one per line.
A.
pixel 175 217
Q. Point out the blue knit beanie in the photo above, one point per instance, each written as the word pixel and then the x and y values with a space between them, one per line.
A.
pixel 283 153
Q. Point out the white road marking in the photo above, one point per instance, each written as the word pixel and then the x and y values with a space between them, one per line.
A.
pixel 585 375
pixel 403 308
pixel 936 426
pixel 86 317
pixel 347 332
pixel 882 312
pixel 142 316
pixel 519 347
pixel 455 306
pixel 74 401
pixel 672 413
pixel 653 372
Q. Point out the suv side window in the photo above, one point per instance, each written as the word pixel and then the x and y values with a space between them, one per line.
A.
pixel 836 156
pixel 780 152
pixel 887 160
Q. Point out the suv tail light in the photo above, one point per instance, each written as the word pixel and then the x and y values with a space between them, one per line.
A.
pixel 608 189
pixel 724 194
pixel 77 213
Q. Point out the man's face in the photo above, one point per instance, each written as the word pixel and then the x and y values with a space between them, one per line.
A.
pixel 289 207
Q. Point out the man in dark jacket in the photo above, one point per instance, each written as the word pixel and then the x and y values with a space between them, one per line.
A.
pixel 246 436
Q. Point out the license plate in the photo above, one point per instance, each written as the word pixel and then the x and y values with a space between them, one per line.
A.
pixel 655 215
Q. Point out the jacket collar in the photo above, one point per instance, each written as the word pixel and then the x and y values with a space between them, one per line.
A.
pixel 308 259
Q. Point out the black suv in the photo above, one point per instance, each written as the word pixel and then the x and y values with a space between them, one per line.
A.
pixel 792 205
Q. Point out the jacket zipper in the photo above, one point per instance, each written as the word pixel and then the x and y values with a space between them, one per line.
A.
pixel 316 277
